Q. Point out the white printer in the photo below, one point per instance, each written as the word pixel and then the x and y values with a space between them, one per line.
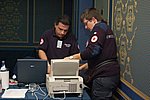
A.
pixel 64 78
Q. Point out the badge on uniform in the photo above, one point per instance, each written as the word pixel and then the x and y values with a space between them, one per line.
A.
pixel 94 38
pixel 59 44
pixel 67 45
pixel 41 41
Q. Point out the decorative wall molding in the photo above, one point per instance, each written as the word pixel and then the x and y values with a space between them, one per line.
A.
pixel 14 20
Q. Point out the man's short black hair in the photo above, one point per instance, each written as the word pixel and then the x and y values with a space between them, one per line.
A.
pixel 63 19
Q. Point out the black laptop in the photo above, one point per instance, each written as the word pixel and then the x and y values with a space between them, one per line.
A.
pixel 31 71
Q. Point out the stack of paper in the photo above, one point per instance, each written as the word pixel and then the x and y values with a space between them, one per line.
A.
pixel 14 93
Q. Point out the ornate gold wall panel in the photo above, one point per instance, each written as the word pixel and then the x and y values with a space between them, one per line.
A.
pixel 125 30
pixel 14 18
pixel 128 25
pixel 23 21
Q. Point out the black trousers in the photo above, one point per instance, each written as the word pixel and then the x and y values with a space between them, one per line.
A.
pixel 102 88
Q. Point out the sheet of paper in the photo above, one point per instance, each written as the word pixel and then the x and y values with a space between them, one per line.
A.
pixel 14 93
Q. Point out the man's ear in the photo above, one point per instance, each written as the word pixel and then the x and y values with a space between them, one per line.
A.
pixel 94 19
pixel 54 24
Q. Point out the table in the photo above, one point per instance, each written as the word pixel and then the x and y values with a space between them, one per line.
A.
pixel 37 96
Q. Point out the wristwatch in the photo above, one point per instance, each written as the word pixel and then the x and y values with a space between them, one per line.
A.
pixel 71 57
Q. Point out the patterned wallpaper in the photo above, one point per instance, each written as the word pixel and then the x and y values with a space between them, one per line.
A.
pixel 14 19
pixel 131 42
pixel 23 21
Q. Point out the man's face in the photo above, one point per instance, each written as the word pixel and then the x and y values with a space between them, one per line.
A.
pixel 89 24
pixel 61 29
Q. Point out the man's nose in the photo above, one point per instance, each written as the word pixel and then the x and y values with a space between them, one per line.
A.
pixel 62 32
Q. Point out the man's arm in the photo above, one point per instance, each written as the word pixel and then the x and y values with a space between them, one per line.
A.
pixel 75 56
pixel 42 55
pixel 84 66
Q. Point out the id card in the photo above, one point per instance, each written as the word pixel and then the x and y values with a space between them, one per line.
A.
pixel 59 44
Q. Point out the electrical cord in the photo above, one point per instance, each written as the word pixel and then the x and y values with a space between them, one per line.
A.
pixel 37 91
pixel 61 98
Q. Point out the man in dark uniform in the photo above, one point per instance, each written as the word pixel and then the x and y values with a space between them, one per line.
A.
pixel 58 42
pixel 102 68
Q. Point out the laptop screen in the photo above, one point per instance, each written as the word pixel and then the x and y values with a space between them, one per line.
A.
pixel 61 67
pixel 31 70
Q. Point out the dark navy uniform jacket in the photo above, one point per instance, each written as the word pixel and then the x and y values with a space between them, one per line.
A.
pixel 49 42
pixel 101 47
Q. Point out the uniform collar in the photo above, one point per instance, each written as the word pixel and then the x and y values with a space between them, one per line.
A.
pixel 98 24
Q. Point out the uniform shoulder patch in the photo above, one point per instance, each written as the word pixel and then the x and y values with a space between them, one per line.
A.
pixel 94 38
pixel 41 41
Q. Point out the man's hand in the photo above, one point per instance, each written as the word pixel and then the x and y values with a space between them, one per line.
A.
pixel 68 58
pixel 83 67
pixel 75 56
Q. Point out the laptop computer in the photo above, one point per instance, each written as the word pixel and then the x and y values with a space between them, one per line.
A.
pixel 31 71
pixel 61 67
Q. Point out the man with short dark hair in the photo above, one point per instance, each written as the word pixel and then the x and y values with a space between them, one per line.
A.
pixel 102 68
pixel 58 42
